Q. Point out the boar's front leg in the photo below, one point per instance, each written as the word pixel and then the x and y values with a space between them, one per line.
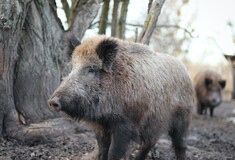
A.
pixel 145 148
pixel 103 139
pixel 121 138
pixel 200 108
pixel 211 111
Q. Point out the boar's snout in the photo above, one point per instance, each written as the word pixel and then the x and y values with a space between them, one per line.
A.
pixel 54 104
pixel 215 101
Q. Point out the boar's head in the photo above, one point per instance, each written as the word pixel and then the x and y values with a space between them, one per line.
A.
pixel 213 94
pixel 82 92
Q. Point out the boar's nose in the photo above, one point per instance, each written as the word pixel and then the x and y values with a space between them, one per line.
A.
pixel 54 104
pixel 214 100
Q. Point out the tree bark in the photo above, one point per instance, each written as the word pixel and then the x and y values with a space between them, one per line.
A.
pixel 12 16
pixel 114 18
pixel 122 19
pixel 104 17
pixel 31 64
pixel 151 21
pixel 39 64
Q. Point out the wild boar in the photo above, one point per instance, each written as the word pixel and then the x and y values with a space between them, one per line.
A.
pixel 208 86
pixel 127 93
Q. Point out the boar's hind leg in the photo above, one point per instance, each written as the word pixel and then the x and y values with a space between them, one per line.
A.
pixel 103 140
pixel 178 144
pixel 177 133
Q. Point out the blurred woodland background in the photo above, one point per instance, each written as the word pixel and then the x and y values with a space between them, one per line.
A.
pixel 32 43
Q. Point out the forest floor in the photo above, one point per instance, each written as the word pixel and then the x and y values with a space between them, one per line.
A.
pixel 208 139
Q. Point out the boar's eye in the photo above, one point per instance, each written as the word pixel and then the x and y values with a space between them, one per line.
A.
pixel 91 70
pixel 208 81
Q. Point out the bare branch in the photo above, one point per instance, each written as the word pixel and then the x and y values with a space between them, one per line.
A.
pixel 151 22
pixel 178 27
pixel 158 26
pixel 66 8
pixel 134 25
pixel 149 5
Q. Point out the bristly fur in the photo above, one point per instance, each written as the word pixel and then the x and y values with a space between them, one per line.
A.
pixel 107 51
pixel 73 42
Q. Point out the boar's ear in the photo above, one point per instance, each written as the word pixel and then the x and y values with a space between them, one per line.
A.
pixel 73 42
pixel 222 83
pixel 107 50
pixel 208 81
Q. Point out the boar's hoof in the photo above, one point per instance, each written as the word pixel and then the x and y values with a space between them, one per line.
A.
pixel 54 104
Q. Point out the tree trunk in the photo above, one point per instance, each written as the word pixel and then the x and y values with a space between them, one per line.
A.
pixel 233 75
pixel 31 63
pixel 12 15
pixel 39 64
pixel 122 19
pixel 114 18
pixel 104 17
pixel 151 21
pixel 231 59
pixel 83 12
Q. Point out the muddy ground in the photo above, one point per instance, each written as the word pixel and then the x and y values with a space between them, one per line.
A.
pixel 208 139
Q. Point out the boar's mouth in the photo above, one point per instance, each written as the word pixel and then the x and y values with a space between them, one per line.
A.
pixel 214 104
pixel 75 118
pixel 72 112
pixel 70 109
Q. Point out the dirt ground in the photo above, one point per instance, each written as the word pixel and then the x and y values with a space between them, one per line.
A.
pixel 208 139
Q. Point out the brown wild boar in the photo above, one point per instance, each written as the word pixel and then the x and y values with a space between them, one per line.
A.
pixel 208 86
pixel 127 93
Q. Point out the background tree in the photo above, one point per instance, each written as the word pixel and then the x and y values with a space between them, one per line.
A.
pixel 32 60
pixel 118 18
pixel 154 10
pixel 173 33
pixel 114 18
pixel 231 57
pixel 122 20
pixel 104 17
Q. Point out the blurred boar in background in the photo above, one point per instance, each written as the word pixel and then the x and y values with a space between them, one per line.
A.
pixel 208 86
pixel 126 92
